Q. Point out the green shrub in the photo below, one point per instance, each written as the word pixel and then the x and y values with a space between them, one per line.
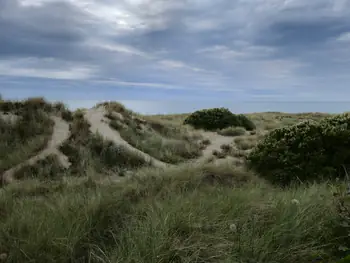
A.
pixel 245 122
pixel 308 151
pixel 67 115
pixel 218 118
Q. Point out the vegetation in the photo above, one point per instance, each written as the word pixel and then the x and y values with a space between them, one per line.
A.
pixel 218 118
pixel 88 151
pixel 168 143
pixel 232 131
pixel 218 211
pixel 46 169
pixel 305 152
pixel 25 134
pixel 204 214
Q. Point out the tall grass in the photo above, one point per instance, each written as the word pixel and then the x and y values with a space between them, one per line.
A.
pixel 191 214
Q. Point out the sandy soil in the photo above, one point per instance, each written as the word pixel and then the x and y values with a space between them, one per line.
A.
pixel 99 124
pixel 59 135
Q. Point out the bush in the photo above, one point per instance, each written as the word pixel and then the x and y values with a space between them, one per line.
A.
pixel 218 118
pixel 245 122
pixel 308 151
pixel 67 115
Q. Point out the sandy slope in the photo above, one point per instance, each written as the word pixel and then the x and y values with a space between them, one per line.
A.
pixel 59 135
pixel 99 123
pixel 216 141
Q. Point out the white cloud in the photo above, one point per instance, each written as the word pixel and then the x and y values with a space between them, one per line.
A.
pixel 114 47
pixel 241 51
pixel 345 37
pixel 121 83
pixel 34 3
pixel 45 68
pixel 175 64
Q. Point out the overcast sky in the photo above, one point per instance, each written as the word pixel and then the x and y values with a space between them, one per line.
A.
pixel 178 55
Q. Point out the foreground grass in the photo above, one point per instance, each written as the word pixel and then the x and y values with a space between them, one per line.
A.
pixel 190 214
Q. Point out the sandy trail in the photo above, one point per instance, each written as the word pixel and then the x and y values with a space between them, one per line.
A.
pixel 99 124
pixel 59 135
pixel 216 140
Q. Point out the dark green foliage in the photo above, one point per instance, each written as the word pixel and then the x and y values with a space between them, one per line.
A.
pixel 342 229
pixel 218 118
pixel 245 122
pixel 67 115
pixel 308 151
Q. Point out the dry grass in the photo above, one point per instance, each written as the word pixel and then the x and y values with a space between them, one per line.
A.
pixel 246 142
pixel 232 131
pixel 25 137
pixel 169 143
pixel 172 119
pixel 88 151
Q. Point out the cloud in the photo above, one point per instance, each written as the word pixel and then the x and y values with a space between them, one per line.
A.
pixel 344 37
pixel 250 48
pixel 45 68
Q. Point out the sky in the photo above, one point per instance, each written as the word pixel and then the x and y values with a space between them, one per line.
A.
pixel 166 56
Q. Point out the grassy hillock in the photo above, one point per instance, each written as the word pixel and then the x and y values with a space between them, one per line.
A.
pixel 209 212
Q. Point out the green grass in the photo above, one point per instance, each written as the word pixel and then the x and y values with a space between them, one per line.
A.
pixel 168 143
pixel 215 212
pixel 167 150
pixel 48 168
pixel 87 151
pixel 23 138
pixel 203 214
pixel 31 130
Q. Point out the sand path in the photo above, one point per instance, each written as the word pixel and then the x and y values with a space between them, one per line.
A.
pixel 59 135
pixel 99 124
pixel 216 140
